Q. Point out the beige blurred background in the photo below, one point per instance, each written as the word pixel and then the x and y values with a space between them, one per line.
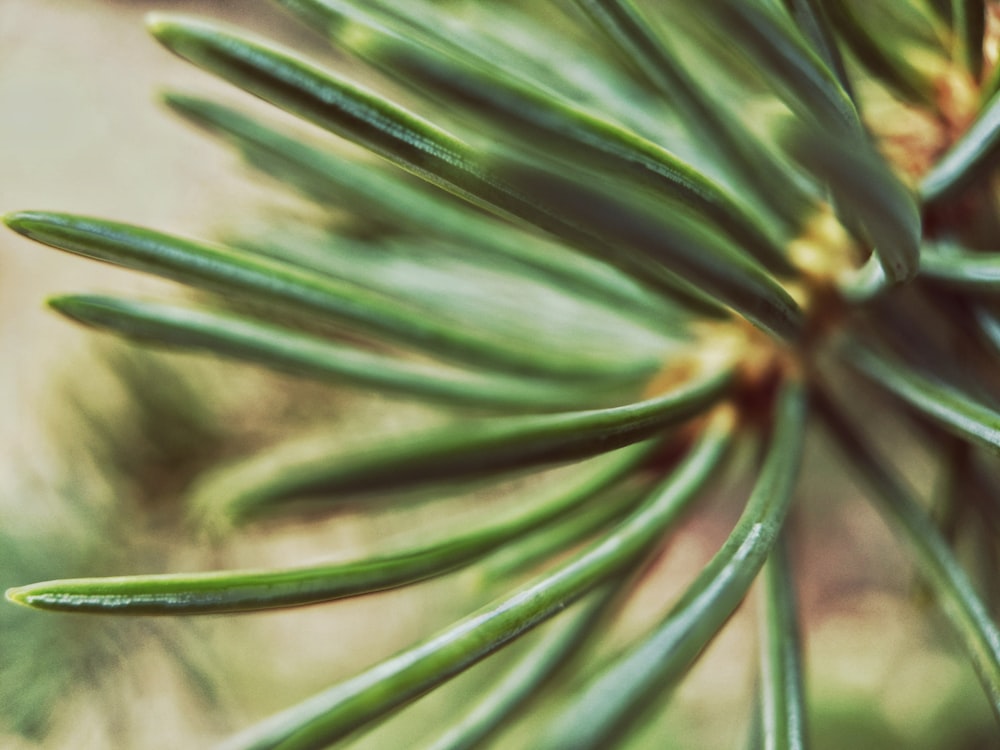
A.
pixel 81 131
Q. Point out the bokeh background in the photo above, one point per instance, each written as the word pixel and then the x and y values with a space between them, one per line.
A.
pixel 97 445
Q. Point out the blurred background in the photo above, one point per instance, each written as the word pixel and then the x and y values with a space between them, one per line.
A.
pixel 98 444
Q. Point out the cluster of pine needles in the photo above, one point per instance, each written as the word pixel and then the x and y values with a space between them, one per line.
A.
pixel 646 240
